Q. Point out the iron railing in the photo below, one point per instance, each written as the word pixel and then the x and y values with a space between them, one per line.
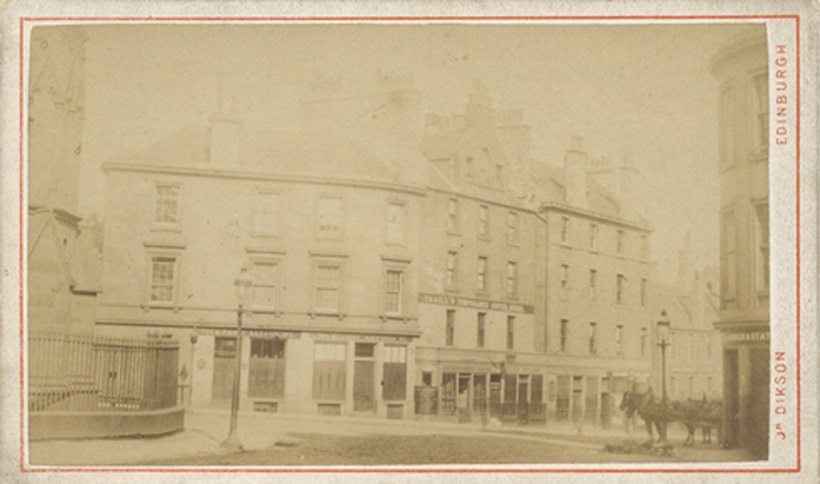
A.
pixel 93 373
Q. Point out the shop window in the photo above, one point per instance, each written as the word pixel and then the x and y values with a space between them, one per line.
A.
pixel 266 369
pixel 395 373
pixel 329 371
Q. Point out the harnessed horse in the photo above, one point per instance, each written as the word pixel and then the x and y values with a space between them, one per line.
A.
pixel 652 412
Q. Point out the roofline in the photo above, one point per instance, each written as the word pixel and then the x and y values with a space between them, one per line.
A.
pixel 563 208
pixel 259 176
pixel 479 199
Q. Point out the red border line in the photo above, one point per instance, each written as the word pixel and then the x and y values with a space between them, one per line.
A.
pixel 797 229
pixel 414 19
pixel 22 249
pixel 346 470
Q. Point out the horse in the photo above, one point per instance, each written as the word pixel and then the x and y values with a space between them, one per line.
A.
pixel 652 412
pixel 711 415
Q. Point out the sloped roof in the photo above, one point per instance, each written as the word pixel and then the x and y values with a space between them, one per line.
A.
pixel 289 154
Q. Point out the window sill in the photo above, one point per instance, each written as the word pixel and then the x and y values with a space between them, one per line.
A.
pixel 161 307
pixel 264 311
pixel 326 314
pixel 394 317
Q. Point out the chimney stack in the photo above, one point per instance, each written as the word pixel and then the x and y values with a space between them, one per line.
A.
pixel 576 162
pixel 224 136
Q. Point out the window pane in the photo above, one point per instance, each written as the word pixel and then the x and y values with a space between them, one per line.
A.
pixel 167 204
pixel 162 279
pixel 395 222
pixel 327 288
pixel 265 275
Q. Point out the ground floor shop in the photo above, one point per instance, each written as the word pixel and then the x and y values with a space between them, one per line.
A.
pixel 590 397
pixel 292 371
pixel 466 386
pixel 746 386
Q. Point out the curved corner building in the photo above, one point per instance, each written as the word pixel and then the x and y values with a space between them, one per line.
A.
pixel 741 70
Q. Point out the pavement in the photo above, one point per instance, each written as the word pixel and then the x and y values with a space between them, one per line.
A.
pixel 206 429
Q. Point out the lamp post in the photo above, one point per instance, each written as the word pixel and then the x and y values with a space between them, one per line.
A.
pixel 242 284
pixel 663 335
pixel 194 337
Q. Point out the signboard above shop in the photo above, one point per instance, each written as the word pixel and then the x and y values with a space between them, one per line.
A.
pixel 481 304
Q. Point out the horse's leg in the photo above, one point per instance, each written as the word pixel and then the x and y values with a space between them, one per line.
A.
pixel 649 431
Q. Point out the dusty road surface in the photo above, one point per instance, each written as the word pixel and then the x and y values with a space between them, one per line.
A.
pixel 332 450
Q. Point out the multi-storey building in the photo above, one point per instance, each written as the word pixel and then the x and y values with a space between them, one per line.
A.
pixel 694 355
pixel 741 70
pixel 597 281
pixel 328 236
pixel 482 343
pixel 407 260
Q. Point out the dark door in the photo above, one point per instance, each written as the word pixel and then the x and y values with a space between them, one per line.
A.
pixel 224 368
pixel 495 395
pixel 757 410
pixel 731 413
pixel 606 410
pixel 523 403
pixel 363 391
pixel 577 406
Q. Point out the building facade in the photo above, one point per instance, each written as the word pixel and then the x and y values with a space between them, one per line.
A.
pixel 597 310
pixel 62 253
pixel 741 70
pixel 330 241
pixel 404 265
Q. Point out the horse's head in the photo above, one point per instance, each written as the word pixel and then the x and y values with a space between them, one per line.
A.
pixel 631 402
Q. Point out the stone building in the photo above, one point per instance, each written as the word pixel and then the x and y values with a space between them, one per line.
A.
pixel 63 253
pixel 404 264
pixel 694 355
pixel 597 283
pixel 331 240
pixel 741 70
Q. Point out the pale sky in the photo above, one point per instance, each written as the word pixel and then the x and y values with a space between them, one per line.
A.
pixel 643 89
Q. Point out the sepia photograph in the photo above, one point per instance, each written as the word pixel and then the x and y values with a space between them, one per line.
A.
pixel 301 245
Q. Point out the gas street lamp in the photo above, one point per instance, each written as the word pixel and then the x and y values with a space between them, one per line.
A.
pixel 242 284
pixel 663 326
